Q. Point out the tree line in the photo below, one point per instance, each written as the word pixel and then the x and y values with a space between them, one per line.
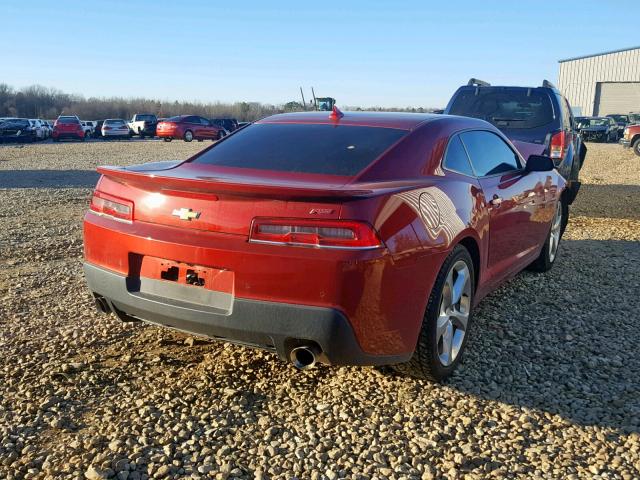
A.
pixel 37 101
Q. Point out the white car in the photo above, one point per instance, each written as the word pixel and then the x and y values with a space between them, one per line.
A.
pixel 40 130
pixel 46 128
pixel 88 127
pixel 115 128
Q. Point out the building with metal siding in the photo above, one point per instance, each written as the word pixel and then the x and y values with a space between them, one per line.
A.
pixel 602 83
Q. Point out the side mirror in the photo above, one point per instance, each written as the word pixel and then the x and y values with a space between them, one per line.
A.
pixel 539 163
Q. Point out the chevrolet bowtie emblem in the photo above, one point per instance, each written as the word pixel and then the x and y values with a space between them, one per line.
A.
pixel 185 214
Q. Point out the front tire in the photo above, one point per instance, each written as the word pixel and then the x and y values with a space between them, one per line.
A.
pixel 188 136
pixel 167 139
pixel 444 333
pixel 549 251
pixel 636 147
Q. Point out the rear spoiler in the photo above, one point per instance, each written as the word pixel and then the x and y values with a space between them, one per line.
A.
pixel 476 82
pixel 150 180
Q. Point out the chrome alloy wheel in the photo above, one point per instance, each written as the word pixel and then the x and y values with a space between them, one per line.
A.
pixel 554 235
pixel 455 306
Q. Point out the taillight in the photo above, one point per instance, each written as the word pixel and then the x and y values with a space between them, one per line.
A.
pixel 345 234
pixel 106 128
pixel 558 145
pixel 118 208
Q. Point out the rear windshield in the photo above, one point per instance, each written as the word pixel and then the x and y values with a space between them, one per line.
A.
pixel 174 119
pixel 324 149
pixel 145 118
pixel 619 118
pixel 114 122
pixel 68 120
pixel 505 107
pixel 592 122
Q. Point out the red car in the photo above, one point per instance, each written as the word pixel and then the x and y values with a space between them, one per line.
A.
pixel 67 126
pixel 188 128
pixel 352 239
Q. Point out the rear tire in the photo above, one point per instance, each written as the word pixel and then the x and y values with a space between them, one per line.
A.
pixel 445 326
pixel 188 136
pixel 549 251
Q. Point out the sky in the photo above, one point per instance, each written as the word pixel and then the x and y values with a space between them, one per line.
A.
pixel 363 53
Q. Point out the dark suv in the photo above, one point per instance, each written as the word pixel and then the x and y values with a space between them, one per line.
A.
pixel 537 119
pixel 229 124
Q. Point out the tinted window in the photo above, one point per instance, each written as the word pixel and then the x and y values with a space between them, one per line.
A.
pixel 505 107
pixel 68 120
pixel 456 158
pixel 177 118
pixel 489 154
pixel 326 149
pixel 146 118
pixel 191 119
pixel 114 122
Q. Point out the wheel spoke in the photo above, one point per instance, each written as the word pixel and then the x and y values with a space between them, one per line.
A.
pixel 447 293
pixel 459 286
pixel 441 325
pixel 461 318
pixel 447 345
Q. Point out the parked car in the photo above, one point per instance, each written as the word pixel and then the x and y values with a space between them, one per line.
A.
pixel 48 128
pixel 68 126
pixel 36 126
pixel 598 129
pixel 144 125
pixel 188 128
pixel 631 138
pixel 97 131
pixel 89 127
pixel 537 119
pixel 622 121
pixel 17 130
pixel 229 124
pixel 115 128
pixel 349 239
pixel 243 124
pixel 634 118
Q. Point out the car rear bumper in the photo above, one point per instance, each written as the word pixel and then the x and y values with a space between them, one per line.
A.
pixel 115 134
pixel 73 135
pixel 269 325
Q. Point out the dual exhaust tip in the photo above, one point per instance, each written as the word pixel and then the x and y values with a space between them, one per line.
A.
pixel 304 357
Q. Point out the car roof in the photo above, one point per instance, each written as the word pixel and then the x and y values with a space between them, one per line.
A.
pixel 400 120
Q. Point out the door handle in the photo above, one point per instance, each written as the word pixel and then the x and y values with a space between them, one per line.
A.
pixel 496 201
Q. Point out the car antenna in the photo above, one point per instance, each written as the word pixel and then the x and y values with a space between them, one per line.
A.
pixel 336 114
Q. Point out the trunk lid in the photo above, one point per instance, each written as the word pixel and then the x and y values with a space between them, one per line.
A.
pixel 193 198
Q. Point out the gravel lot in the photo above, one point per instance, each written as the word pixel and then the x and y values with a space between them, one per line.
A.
pixel 549 387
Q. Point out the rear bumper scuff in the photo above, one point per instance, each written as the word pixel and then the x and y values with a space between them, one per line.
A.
pixel 270 325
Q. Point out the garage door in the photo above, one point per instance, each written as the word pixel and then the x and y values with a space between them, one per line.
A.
pixel 617 97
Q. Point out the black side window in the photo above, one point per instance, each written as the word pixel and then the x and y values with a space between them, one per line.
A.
pixel 567 123
pixel 192 119
pixel 203 121
pixel 489 154
pixel 456 158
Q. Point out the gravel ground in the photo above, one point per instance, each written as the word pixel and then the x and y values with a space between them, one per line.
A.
pixel 547 388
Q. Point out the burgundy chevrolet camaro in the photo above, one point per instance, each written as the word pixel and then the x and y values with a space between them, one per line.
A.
pixel 346 239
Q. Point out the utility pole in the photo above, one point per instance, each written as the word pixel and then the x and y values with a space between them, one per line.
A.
pixel 304 105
